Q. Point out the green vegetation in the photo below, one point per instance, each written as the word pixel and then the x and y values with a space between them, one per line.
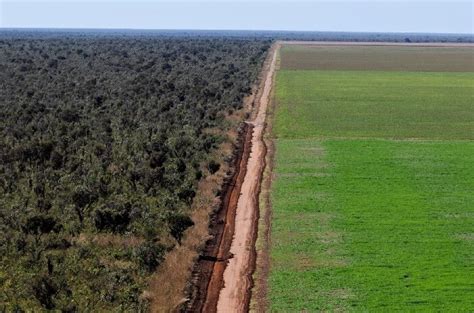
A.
pixel 375 104
pixel 373 225
pixel 373 207
pixel 381 58
pixel 102 143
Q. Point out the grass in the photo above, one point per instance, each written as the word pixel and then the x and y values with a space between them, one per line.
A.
pixel 383 58
pixel 373 225
pixel 373 208
pixel 375 104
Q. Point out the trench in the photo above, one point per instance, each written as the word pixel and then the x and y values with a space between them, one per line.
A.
pixel 222 281
pixel 209 269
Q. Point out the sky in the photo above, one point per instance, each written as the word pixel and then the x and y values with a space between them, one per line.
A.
pixel 350 15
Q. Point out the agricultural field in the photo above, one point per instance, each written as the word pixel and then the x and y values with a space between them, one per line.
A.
pixel 378 57
pixel 372 200
pixel 375 104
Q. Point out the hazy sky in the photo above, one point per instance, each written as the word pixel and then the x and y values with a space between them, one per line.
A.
pixel 350 15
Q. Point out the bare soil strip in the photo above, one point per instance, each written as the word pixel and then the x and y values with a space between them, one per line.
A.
pixel 222 278
pixel 235 295
pixel 208 272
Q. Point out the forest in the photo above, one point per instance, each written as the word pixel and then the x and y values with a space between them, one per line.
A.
pixel 242 34
pixel 103 140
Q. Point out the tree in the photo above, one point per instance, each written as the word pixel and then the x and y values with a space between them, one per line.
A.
pixel 113 217
pixel 40 224
pixel 44 289
pixel 150 255
pixel 213 167
pixel 178 223
pixel 82 197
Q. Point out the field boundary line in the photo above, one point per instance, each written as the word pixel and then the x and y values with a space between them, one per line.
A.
pixel 373 138
pixel 375 43
pixel 259 299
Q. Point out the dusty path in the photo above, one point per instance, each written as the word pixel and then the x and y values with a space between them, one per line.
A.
pixel 222 278
pixel 235 295
pixel 208 272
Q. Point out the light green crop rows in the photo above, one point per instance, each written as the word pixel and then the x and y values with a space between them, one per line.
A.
pixel 375 104
pixel 364 217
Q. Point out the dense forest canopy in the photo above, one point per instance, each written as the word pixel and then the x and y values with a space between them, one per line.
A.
pixel 102 142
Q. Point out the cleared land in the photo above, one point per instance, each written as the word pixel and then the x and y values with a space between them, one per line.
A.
pixel 364 217
pixel 375 104
pixel 377 57
pixel 235 294
pixel 370 224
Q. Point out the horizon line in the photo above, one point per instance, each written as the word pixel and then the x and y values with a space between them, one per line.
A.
pixel 224 29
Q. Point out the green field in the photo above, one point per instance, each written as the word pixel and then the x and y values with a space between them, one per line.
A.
pixel 375 104
pixel 373 57
pixel 373 202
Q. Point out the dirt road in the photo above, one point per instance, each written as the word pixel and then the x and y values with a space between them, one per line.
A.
pixel 223 275
pixel 235 296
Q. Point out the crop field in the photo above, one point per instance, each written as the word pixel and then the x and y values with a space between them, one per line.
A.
pixel 380 58
pixel 375 104
pixel 373 207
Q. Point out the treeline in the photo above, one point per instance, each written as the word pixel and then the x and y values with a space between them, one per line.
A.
pixel 269 35
pixel 102 143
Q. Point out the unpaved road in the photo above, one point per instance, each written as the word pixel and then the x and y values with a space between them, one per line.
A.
pixel 222 277
pixel 235 295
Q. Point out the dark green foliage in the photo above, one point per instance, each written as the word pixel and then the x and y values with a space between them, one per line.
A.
pixel 213 166
pixel 44 290
pixel 178 223
pixel 150 255
pixel 102 143
pixel 39 224
pixel 115 218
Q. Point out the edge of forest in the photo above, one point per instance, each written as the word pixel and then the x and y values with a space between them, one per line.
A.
pixel 171 285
